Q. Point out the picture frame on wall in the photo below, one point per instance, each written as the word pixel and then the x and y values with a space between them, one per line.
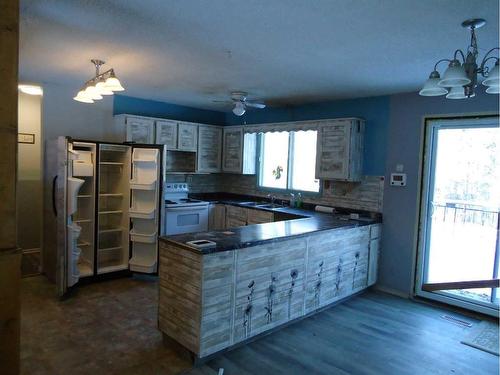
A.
pixel 140 130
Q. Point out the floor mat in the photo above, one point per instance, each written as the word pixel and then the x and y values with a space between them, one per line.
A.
pixel 483 336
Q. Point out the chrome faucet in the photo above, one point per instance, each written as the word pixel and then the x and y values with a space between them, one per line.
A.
pixel 272 198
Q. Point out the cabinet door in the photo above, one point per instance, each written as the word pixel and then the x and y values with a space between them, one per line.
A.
pixel 188 137
pixel 233 150
pixel 140 130
pixel 166 134
pixel 217 217
pixel 209 148
pixel 332 155
pixel 259 216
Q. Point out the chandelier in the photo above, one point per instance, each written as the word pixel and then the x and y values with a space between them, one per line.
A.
pixel 460 78
pixel 102 84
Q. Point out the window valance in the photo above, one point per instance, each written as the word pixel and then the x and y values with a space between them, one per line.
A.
pixel 294 126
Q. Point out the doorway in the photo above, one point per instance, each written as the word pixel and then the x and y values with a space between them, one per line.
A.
pixel 459 221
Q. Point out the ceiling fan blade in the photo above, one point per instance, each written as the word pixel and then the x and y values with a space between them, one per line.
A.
pixel 255 105
pixel 223 101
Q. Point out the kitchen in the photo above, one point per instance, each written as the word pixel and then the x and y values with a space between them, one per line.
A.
pixel 202 205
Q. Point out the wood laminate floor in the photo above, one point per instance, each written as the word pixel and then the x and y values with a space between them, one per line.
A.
pixel 110 328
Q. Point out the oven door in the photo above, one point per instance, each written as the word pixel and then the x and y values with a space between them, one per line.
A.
pixel 186 219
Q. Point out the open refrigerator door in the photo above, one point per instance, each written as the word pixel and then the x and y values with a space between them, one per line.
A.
pixel 73 230
pixel 144 210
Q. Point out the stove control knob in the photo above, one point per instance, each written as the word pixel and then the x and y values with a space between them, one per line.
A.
pixel 175 186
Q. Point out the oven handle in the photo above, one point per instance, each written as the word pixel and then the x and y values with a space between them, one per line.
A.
pixel 198 208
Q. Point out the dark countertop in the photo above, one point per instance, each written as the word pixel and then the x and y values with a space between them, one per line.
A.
pixel 256 234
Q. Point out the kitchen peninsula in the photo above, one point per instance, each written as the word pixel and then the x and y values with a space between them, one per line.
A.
pixel 259 277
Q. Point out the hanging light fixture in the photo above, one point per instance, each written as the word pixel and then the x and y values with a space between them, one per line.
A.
pixel 459 80
pixel 102 84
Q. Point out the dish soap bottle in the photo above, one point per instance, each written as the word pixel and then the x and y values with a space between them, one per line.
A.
pixel 298 203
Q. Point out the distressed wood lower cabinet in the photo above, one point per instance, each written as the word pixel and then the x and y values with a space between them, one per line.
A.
pixel 211 302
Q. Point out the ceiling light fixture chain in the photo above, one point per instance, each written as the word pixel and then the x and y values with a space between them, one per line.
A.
pixel 460 78
pixel 102 84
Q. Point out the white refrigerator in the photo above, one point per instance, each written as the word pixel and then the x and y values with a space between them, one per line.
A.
pixel 103 210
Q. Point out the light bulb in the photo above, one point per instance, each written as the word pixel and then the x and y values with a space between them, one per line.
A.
pixel 493 78
pixel 82 97
pixel 431 87
pixel 103 90
pixel 93 93
pixel 31 89
pixel 239 109
pixel 454 76
pixel 113 84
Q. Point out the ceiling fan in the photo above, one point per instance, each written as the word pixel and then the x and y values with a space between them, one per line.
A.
pixel 241 103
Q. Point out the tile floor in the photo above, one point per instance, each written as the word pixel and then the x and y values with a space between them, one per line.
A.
pixel 105 328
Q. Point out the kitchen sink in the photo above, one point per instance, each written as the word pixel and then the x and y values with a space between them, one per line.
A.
pixel 252 203
pixel 270 205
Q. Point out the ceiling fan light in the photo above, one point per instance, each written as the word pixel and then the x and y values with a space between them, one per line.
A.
pixel 103 89
pixel 493 78
pixel 82 97
pixel 454 76
pixel 457 92
pixel 493 89
pixel 431 87
pixel 239 109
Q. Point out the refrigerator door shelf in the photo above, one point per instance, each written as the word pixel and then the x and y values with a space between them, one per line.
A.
pixel 142 237
pixel 135 185
pixel 74 185
pixel 82 168
pixel 140 214
pixel 144 258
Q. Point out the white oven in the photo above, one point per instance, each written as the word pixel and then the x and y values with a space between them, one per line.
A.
pixel 183 214
pixel 186 219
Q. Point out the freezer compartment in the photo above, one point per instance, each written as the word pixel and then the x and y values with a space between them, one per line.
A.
pixel 113 206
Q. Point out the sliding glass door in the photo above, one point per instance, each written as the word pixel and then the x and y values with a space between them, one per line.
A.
pixel 459 218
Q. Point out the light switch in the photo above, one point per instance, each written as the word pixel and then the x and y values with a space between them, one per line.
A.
pixel 400 168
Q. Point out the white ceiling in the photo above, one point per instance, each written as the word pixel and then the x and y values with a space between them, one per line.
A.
pixel 285 51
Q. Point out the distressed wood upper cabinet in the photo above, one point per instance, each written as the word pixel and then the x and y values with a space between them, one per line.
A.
pixel 187 137
pixel 209 149
pixel 239 151
pixel 339 154
pixel 166 134
pixel 138 129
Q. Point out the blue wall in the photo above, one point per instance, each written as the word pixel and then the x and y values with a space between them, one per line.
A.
pixel 404 135
pixel 374 110
pixel 152 108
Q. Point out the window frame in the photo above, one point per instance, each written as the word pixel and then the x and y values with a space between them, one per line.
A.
pixel 287 190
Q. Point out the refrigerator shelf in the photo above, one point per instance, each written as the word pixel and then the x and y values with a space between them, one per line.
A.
pixel 110 212
pixel 110 248
pixel 84 196
pixel 142 214
pixel 110 194
pixel 150 185
pixel 83 243
pixel 111 163
pixel 108 269
pixel 143 237
pixel 110 230
pixel 79 221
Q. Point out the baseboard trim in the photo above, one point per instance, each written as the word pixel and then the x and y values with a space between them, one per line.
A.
pixel 394 292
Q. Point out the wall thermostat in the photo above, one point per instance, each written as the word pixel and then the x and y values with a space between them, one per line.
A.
pixel 398 179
